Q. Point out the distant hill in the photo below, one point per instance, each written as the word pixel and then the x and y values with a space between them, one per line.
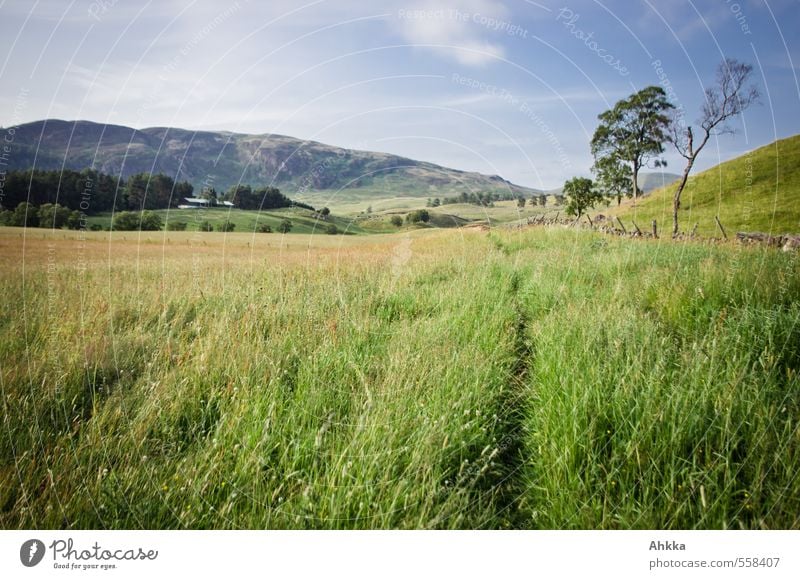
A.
pixel 303 169
pixel 758 191
pixel 647 182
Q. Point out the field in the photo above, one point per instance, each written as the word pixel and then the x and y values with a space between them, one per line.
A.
pixel 436 378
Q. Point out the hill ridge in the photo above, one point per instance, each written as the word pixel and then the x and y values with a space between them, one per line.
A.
pixel 225 158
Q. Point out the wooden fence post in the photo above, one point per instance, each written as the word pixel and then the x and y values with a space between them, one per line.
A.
pixel 655 229
pixel 722 229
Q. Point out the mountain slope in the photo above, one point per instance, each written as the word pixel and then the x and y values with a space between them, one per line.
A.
pixel 222 159
pixel 758 191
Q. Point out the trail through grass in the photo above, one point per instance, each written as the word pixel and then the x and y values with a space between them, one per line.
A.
pixel 428 379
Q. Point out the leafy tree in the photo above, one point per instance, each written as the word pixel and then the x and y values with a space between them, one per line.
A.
pixel 285 226
pixel 146 191
pixel 205 226
pixel 420 215
pixel 271 198
pixel 185 189
pixel 74 220
pixel 634 131
pixel 396 220
pixel 242 196
pixel 581 195
pixel 53 215
pixel 324 211
pixel 176 226
pixel 331 229
pixel 729 97
pixel 520 202
pixel 263 228
pixel 542 200
pixel 25 215
pixel 208 193
pixel 613 177
pixel 226 226
pixel 436 202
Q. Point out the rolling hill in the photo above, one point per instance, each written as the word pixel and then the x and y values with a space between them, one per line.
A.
pixel 758 191
pixel 307 170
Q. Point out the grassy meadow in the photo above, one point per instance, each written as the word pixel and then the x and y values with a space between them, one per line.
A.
pixel 545 378
pixel 758 191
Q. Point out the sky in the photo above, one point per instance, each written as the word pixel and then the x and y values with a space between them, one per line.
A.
pixel 508 87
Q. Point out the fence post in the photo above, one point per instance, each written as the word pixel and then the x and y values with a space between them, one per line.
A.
pixel 722 229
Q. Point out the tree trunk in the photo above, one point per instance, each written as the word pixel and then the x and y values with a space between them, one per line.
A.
pixel 676 199
pixel 635 183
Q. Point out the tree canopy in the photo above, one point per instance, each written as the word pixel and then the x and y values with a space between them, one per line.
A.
pixel 633 131
pixel 581 195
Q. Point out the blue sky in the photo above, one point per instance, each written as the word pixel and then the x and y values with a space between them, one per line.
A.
pixel 510 87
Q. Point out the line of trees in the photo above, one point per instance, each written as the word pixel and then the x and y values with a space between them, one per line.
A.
pixel 482 198
pixel 50 215
pixel 91 192
pixel 632 135
pixel 246 197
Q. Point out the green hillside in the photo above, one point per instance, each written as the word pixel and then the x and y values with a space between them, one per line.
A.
pixel 759 191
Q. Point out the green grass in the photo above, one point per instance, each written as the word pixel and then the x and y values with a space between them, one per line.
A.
pixel 545 378
pixel 759 191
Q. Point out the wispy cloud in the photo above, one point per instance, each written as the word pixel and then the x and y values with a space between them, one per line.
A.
pixel 454 29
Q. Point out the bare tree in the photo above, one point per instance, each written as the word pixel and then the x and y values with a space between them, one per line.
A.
pixel 727 98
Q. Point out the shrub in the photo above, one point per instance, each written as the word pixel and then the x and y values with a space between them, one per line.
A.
pixel 396 220
pixel 205 226
pixel 263 228
pixel 176 226
pixel 137 221
pixel 95 227
pixel 331 229
pixel 226 226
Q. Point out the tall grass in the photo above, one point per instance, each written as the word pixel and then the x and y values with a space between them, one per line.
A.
pixel 546 379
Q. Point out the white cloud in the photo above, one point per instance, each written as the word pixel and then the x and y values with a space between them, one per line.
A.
pixel 456 29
